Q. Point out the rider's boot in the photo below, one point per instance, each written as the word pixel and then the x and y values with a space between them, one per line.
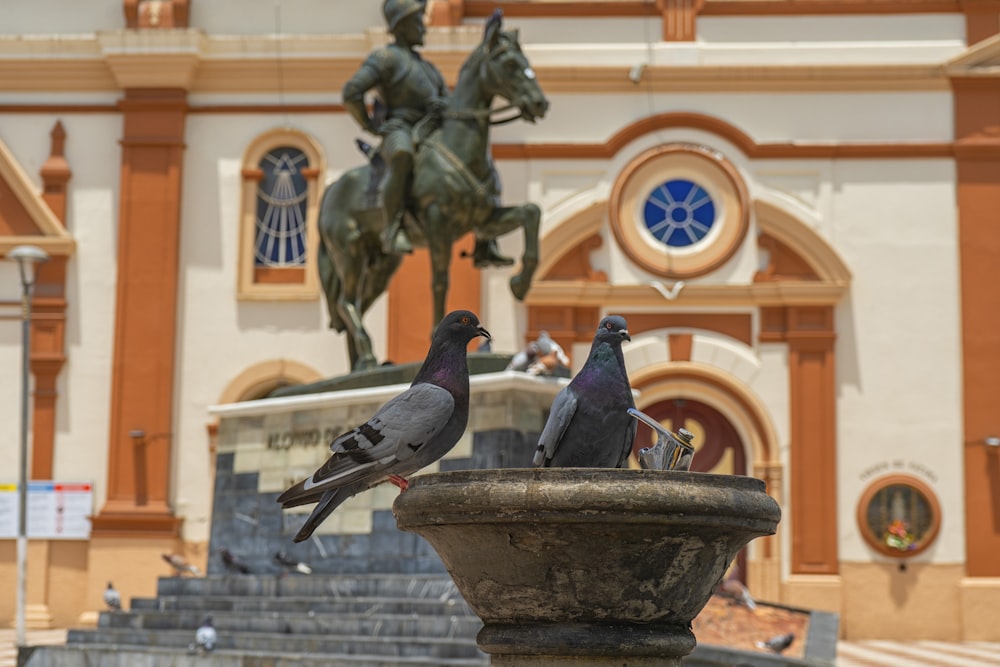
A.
pixel 395 241
pixel 487 254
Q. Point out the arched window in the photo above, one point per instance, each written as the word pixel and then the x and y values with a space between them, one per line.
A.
pixel 278 233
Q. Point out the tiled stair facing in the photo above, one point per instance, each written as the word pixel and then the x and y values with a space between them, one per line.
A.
pixel 375 620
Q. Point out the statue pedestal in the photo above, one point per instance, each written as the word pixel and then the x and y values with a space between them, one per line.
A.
pixel 588 567
pixel 265 446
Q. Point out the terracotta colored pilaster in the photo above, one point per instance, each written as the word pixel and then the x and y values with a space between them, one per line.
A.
pixel 809 332
pixel 679 19
pixel 982 19
pixel 977 149
pixel 141 439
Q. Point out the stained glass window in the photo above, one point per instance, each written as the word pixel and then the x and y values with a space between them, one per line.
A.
pixel 280 238
pixel 679 213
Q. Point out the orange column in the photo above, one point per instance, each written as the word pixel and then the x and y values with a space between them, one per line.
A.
pixel 141 437
pixel 977 150
pixel 679 19
pixel 809 332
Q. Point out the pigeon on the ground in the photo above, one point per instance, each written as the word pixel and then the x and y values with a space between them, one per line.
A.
pixel 292 565
pixel 408 433
pixel 778 643
pixel 180 565
pixel 734 589
pixel 112 598
pixel 206 637
pixel 589 425
pixel 232 563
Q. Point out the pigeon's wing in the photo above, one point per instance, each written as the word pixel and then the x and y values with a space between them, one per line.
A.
pixel 560 415
pixel 629 441
pixel 380 446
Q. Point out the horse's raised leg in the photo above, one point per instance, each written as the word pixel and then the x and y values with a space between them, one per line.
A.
pixel 507 219
pixel 439 245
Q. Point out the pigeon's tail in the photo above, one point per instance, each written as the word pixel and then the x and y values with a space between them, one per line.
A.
pixel 327 503
pixel 539 459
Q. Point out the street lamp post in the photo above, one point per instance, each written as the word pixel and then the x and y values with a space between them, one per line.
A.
pixel 26 257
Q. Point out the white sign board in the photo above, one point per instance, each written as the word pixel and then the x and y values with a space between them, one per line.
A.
pixel 56 510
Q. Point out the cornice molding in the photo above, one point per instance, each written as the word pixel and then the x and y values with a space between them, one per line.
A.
pixel 786 293
pixel 192 60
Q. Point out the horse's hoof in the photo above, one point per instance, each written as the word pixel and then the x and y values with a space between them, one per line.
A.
pixel 366 363
pixel 519 288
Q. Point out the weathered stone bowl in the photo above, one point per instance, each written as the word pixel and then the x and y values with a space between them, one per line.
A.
pixel 589 566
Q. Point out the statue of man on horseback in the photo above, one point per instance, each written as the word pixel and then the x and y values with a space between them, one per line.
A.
pixel 411 89
pixel 433 170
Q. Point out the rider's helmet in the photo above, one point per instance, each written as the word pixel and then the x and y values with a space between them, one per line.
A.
pixel 396 10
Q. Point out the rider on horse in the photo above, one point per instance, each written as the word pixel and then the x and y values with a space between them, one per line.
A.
pixel 410 88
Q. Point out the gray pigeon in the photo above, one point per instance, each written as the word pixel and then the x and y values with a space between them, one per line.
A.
pixel 180 565
pixel 408 433
pixel 589 425
pixel 112 598
pixel 778 643
pixel 205 636
pixel 290 564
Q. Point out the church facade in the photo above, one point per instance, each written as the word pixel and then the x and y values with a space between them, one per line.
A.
pixel 793 203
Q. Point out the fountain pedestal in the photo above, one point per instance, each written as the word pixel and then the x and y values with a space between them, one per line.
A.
pixel 588 567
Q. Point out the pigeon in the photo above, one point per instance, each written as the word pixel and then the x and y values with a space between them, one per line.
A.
pixel 408 433
pixel 589 425
pixel 205 636
pixel 232 563
pixel 778 643
pixel 180 565
pixel 112 598
pixel 541 357
pixel 291 564
pixel 734 589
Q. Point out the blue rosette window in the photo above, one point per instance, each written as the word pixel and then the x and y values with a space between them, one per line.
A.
pixel 679 213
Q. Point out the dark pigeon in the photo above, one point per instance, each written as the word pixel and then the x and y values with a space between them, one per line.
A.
pixel 232 563
pixel 589 425
pixel 408 433
pixel 779 643
pixel 205 636
pixel 734 589
pixel 290 564
pixel 112 598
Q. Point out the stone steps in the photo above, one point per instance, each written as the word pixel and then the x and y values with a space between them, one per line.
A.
pixel 112 655
pixel 248 604
pixel 408 646
pixel 297 623
pixel 374 620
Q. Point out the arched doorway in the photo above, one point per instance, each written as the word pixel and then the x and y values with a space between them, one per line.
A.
pixel 718 446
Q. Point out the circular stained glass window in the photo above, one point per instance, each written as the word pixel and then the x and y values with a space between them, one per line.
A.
pixel 679 213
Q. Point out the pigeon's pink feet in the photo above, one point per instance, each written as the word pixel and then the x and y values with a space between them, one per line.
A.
pixel 400 482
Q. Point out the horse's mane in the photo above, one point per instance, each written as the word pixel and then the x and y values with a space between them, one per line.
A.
pixel 480 53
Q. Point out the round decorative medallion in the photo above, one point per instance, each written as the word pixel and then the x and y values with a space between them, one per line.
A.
pixel 899 516
pixel 679 210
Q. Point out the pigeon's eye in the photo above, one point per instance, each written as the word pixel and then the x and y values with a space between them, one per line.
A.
pixel 466 320
pixel 609 326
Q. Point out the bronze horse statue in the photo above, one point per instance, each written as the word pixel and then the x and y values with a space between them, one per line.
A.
pixel 454 190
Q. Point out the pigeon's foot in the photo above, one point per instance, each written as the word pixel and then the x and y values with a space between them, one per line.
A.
pixel 400 482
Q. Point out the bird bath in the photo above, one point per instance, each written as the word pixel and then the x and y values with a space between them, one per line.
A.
pixel 586 566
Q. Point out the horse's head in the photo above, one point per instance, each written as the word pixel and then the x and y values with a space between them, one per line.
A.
pixel 505 71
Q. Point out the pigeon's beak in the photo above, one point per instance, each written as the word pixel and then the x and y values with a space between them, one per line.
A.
pixel 625 336
pixel 484 333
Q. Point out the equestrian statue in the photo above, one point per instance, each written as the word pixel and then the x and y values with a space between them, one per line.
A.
pixel 432 179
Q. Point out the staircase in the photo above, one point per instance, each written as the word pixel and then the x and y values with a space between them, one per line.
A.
pixel 333 620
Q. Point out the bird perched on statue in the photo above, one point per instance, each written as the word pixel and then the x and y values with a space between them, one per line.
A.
pixel 180 565
pixel 734 589
pixel 290 564
pixel 409 432
pixel 589 424
pixel 232 563
pixel 205 637
pixel 112 598
pixel 777 644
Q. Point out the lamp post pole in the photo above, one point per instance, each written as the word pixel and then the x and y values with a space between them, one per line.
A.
pixel 26 257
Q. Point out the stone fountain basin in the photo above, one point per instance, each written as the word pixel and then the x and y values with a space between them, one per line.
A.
pixel 582 547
